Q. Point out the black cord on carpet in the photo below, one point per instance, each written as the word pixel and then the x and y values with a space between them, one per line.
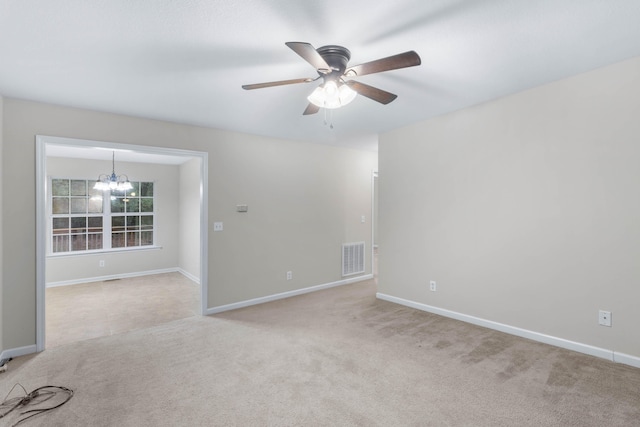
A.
pixel 35 397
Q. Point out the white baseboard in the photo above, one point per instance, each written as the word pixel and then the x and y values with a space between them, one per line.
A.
pixel 274 297
pixel 189 276
pixel 626 359
pixel 535 336
pixel 19 351
pixel 112 277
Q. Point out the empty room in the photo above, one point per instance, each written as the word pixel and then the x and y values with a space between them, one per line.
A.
pixel 270 213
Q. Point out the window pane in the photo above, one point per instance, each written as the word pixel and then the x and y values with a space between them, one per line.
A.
pixel 133 223
pixel 146 222
pixel 133 205
pixel 95 204
pixel 146 238
pixel 60 205
pixel 78 242
pixel 146 189
pixel 60 225
pixel 133 239
pixel 93 192
pixel 95 224
pixel 117 223
pixel 146 204
pixel 60 187
pixel 78 224
pixel 78 187
pixel 94 241
pixel 78 205
pixel 117 240
pixel 60 243
pixel 135 191
pixel 117 205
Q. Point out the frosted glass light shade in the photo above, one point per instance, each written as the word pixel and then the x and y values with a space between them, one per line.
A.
pixel 330 95
pixel 106 183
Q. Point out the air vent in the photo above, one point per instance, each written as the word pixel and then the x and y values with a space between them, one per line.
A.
pixel 352 258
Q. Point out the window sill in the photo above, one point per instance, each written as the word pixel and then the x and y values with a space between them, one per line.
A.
pixel 103 252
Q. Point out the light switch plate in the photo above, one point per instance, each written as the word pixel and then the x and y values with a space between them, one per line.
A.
pixel 217 226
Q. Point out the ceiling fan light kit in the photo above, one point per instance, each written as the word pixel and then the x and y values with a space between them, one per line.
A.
pixel 330 63
pixel 330 95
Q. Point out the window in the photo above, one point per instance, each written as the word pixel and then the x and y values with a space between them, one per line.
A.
pixel 77 216
pixel 84 219
pixel 132 216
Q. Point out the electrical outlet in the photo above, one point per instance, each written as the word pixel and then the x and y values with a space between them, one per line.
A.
pixel 432 285
pixel 217 226
pixel 101 263
pixel 604 318
pixel 289 275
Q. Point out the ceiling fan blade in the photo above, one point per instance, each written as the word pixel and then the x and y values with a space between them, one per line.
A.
pixel 309 54
pixel 371 92
pixel 311 109
pixel 401 60
pixel 278 83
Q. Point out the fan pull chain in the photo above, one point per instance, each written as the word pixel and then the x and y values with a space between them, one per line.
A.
pixel 330 123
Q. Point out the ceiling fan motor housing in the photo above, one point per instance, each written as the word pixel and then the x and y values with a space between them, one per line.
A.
pixel 337 58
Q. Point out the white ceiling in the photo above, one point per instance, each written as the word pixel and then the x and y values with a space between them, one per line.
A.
pixel 185 60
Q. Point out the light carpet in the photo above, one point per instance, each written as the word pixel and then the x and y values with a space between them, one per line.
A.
pixel 337 357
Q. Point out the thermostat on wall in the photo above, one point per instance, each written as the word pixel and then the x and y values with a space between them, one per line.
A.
pixel 242 208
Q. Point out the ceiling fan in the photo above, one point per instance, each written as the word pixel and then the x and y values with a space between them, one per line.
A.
pixel 331 64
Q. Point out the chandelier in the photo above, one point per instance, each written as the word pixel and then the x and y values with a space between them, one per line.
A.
pixel 112 181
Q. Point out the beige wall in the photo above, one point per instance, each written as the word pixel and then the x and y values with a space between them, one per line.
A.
pixel 71 268
pixel 189 224
pixel 304 201
pixel 1 222
pixel 524 210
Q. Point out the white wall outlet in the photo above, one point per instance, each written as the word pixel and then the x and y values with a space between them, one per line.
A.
pixel 217 226
pixel 289 275
pixel 362 219
pixel 604 318
pixel 101 263
pixel 432 285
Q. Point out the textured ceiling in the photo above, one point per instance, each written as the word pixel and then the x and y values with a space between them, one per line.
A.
pixel 185 60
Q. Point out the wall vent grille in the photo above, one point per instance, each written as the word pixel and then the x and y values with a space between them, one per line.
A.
pixel 352 258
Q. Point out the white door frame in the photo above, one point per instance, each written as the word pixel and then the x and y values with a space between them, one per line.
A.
pixel 374 220
pixel 41 214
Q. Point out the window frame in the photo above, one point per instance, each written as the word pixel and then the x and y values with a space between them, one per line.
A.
pixel 107 217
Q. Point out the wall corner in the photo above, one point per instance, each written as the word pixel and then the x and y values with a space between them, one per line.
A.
pixel 1 222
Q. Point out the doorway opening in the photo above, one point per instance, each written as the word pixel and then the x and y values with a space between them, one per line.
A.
pixel 374 226
pixel 183 253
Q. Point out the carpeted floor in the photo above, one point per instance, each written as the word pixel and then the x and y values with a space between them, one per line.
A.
pixel 335 357
pixel 97 309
